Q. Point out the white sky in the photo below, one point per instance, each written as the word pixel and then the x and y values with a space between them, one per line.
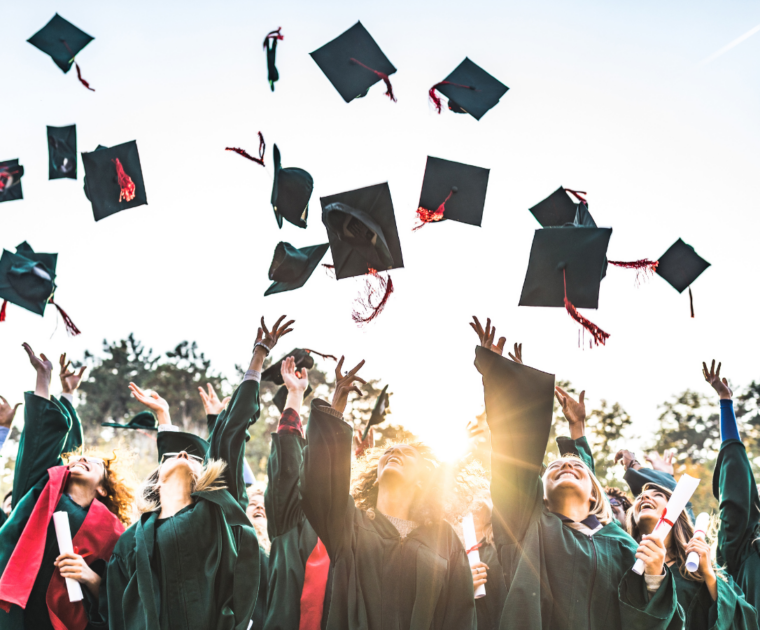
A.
pixel 604 97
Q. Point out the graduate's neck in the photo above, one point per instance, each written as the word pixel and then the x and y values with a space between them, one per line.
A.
pixel 571 505
pixel 395 499
pixel 174 494
pixel 81 493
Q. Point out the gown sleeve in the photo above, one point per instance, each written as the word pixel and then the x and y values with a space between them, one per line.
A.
pixel 640 610
pixel 520 423
pixel 637 479
pixel 731 611
pixel 326 476
pixel 281 498
pixel 43 440
pixel 227 441
pixel 75 438
pixel 460 599
pixel 580 448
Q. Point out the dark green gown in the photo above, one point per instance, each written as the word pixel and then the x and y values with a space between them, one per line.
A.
pixel 292 537
pixel 51 428
pixel 557 577
pixel 199 569
pixel 380 580
pixel 730 611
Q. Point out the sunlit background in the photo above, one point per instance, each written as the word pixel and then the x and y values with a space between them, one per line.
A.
pixel 645 105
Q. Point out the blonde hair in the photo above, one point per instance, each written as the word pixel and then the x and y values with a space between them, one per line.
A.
pixel 600 506
pixel 209 479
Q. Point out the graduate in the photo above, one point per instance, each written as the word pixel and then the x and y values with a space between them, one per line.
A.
pixel 567 563
pixel 395 562
pixel 734 486
pixel 50 477
pixel 192 558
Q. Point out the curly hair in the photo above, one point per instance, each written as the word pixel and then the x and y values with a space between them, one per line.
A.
pixel 119 482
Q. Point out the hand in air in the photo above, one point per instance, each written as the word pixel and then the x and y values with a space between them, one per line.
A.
pixel 270 338
pixel 70 380
pixel 151 400
pixel 664 462
pixel 362 445
pixel 487 336
pixel 719 384
pixel 295 380
pixel 573 410
pixel 517 355
pixel 211 403
pixel 7 413
pixel 41 364
pixel 627 459
pixel 344 385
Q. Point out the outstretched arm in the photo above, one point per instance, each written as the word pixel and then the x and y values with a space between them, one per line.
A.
pixel 575 414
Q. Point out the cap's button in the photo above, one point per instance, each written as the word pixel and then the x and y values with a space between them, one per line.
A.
pixel 454 189
pixel 562 265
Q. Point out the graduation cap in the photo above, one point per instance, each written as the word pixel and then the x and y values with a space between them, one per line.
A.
pixel 113 179
pixel 281 397
pixel 291 267
pixel 378 413
pixel 680 266
pixel 353 62
pixel 270 45
pixel 62 152
pixel 143 421
pixel 470 90
pixel 558 209
pixel 565 269
pixel 178 441
pixel 452 190
pixel 10 180
pixel 63 41
pixel 303 359
pixel 291 192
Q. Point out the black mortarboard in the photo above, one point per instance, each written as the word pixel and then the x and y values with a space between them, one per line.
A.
pixel 470 90
pixel 452 190
pixel 62 152
pixel 353 62
pixel 63 41
pixel 27 279
pixel 145 421
pixel 178 441
pixel 291 192
pixel 361 227
pixel 10 180
pixel 302 358
pixel 558 210
pixel 291 267
pixel 114 179
pixel 378 413
pixel 681 265
pixel 575 252
pixel 281 397
pixel 270 45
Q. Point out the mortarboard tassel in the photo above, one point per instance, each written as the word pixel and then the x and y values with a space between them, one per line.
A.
pixel 383 76
pixel 125 182
pixel 577 194
pixel 3 309
pixel 597 333
pixel 437 99
pixel 429 216
pixel 364 310
pixel 643 267
pixel 329 270
pixel 76 65
pixel 71 327
pixel 274 35
pixel 319 354
pixel 691 304
pixel 245 154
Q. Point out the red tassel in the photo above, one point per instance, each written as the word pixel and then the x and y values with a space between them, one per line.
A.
pixel 329 270
pixel 274 35
pixel 319 354
pixel 3 309
pixel 79 72
pixel 600 337
pixel 364 310
pixel 691 303
pixel 429 216
pixel 437 99
pixel 643 267
pixel 71 327
pixel 245 154
pixel 125 182
pixel 383 76
pixel 577 194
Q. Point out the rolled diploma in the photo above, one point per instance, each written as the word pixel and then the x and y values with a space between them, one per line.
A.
pixel 470 541
pixel 700 527
pixel 678 500
pixel 63 534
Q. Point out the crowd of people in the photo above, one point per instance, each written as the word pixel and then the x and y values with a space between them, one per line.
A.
pixel 350 536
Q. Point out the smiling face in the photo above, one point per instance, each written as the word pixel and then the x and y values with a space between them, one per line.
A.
pixel 400 463
pixel 87 471
pixel 647 508
pixel 180 464
pixel 255 510
pixel 568 476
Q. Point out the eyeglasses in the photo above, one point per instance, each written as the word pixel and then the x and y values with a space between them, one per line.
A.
pixel 615 502
pixel 90 460
pixel 195 458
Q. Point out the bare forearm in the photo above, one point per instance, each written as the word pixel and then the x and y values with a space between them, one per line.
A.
pixel 257 361
pixel 577 430
pixel 42 387
pixel 294 400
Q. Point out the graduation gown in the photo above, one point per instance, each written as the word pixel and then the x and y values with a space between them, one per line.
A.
pixel 380 580
pixel 489 607
pixel 557 577
pixel 292 537
pixel 197 570
pixel 51 428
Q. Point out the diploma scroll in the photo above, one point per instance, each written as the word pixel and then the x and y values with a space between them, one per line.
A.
pixel 678 500
pixel 471 544
pixel 63 534
pixel 700 527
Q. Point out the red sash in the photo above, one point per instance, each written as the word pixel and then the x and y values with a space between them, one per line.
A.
pixel 95 539
pixel 314 585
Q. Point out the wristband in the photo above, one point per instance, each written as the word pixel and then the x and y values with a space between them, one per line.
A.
pixel 267 349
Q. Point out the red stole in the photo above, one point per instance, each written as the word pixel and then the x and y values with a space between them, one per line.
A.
pixel 314 585
pixel 95 540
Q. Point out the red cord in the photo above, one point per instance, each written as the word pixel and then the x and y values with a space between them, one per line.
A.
pixel 245 154
pixel 437 99
pixel 79 72
pixel 126 184
pixel 364 310
pixel 383 76
pixel 600 337
pixel 429 216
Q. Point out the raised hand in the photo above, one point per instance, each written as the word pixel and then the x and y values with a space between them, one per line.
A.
pixel 573 410
pixel 517 356
pixel 627 459
pixel 211 403
pixel 270 338
pixel 487 336
pixel 7 413
pixel 154 402
pixel 44 369
pixel 344 385
pixel 719 385
pixel 295 381
pixel 362 445
pixel 478 427
pixel 69 380
pixel 664 462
